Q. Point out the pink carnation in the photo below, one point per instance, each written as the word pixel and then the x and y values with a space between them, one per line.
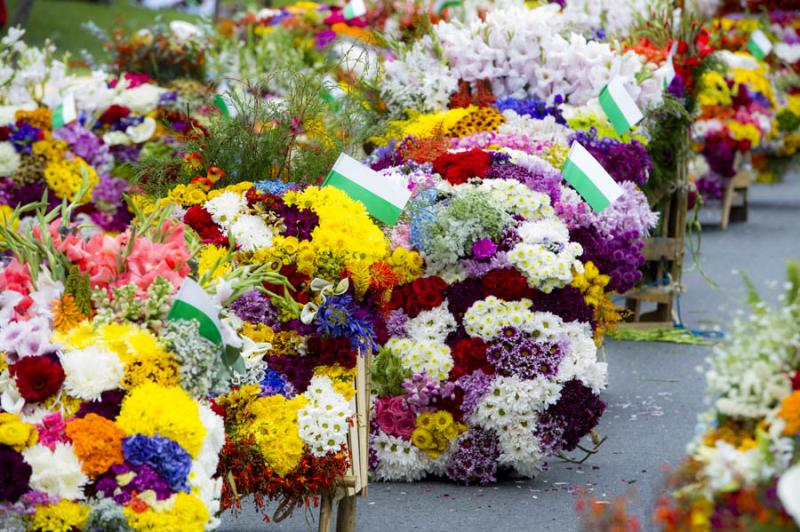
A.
pixel 52 430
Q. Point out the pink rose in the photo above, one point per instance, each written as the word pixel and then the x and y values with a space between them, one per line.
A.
pixel 386 422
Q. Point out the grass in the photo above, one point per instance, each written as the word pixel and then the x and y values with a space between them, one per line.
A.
pixel 61 21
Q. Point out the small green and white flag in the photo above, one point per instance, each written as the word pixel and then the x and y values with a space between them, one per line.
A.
pixel 332 93
pixel 620 107
pixel 65 112
pixel 354 9
pixel 193 302
pixel 224 102
pixel 759 45
pixel 384 199
pixel 590 179
pixel 441 5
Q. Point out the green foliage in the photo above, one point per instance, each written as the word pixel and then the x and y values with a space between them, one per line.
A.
pixel 296 139
pixel 77 285
pixel 793 277
pixel 788 121
pixel 388 373
pixel 668 148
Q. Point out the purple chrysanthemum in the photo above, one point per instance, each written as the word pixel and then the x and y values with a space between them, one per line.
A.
pixel 475 457
pixel 576 413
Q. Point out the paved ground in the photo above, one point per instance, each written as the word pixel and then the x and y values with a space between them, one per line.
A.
pixel 655 393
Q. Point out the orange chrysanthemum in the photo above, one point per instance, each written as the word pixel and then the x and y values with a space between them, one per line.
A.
pixel 97 442
pixel 40 118
pixel 66 314
pixel 790 412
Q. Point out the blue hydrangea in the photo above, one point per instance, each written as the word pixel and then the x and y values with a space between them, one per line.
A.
pixel 275 187
pixel 165 456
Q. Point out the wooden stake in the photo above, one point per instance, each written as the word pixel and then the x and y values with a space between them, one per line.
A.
pixel 325 513
pixel 346 515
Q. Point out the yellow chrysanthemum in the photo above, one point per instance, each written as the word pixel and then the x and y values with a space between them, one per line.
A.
pixel 186 513
pixel 276 431
pixel 65 516
pixel 16 433
pixel 212 261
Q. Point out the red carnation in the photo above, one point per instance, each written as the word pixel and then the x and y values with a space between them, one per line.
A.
pixel 429 291
pixel 457 168
pixel 197 217
pixel 37 377
pixel 796 380
pixel 114 113
pixel 507 283
pixel 469 354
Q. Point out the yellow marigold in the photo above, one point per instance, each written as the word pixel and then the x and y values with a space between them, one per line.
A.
pixel 211 260
pixel 41 118
pixel 52 149
pixel 157 367
pixel 740 131
pixel 435 431
pixel 97 442
pixel 713 89
pixel 65 516
pixel 187 513
pixel 790 412
pixel 406 264
pixel 258 332
pixel 153 409
pixel 65 177
pixel 276 432
pixel 238 188
pixel 16 433
pixel 66 314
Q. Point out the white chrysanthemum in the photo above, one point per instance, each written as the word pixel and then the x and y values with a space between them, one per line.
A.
pixel 545 255
pixel 511 401
pixel 57 472
pixel 544 130
pixel 430 357
pixel 431 325
pixel 251 232
pixel 116 138
pixel 323 422
pixel 226 208
pixel 91 371
pixel 487 317
pixel 520 449
pixel 398 459
pixel 789 492
pixel 140 100
pixel 9 159
pixel 513 197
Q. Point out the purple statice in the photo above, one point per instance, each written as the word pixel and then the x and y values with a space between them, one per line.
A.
pixel 340 317
pixel 396 323
pixel 710 186
pixel 15 474
pixel 522 356
pixel 24 136
pixel 117 221
pixel 624 161
pixel 255 306
pixel 166 457
pixel 618 256
pixel 274 383
pixel 479 268
pixel 572 417
pixel 474 385
pixel 126 153
pixel 568 303
pixel 107 193
pixel 546 182
pixel 424 392
pixel 536 109
pixel 475 457
pixel 298 222
pixel 108 406
pixel 145 478
pixel 85 145
pixel 461 296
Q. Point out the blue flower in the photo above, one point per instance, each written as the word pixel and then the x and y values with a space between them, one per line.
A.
pixel 165 456
pixel 338 316
pixel 275 187
pixel 273 383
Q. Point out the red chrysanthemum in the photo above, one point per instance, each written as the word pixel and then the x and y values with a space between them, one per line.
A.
pixel 37 377
pixel 796 380
pixel 469 354
pixel 457 168
pixel 507 283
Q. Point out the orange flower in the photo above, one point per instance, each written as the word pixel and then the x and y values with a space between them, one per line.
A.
pixel 790 412
pixel 40 118
pixel 66 314
pixel 97 442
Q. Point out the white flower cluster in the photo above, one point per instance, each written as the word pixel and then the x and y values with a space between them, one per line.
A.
pixel 544 130
pixel 398 459
pixel 431 325
pixel 9 159
pixel 727 468
pixel 513 197
pixel 56 472
pixel 91 371
pixel 323 421
pixel 423 356
pixel 419 80
pixel 545 255
pixel 229 211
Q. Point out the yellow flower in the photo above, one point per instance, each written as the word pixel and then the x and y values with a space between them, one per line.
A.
pixel 713 89
pixel 186 513
pixel 740 131
pixel 65 516
pixel 16 433
pixel 435 431
pixel 212 260
pixel 276 431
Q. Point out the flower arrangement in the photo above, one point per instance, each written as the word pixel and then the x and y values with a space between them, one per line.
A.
pixel 741 471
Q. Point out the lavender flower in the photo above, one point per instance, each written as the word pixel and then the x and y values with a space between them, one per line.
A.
pixel 474 385
pixel 520 355
pixel 475 457
pixel 255 307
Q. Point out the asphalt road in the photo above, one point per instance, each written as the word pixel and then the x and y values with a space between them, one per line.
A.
pixel 654 395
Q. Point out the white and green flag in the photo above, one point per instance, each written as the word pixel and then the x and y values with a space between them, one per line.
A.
pixel 193 302
pixel 223 101
pixel 620 107
pixel 354 9
pixel 759 45
pixel 384 199
pixel 590 179
pixel 441 5
pixel 65 112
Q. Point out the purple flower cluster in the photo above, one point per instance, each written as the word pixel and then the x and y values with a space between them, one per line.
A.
pixel 537 109
pixel 710 186
pixel 385 157
pixel 164 456
pixel 108 406
pixel 568 303
pixel 85 145
pixel 474 385
pixel 519 354
pixel 15 474
pixel 340 316
pixel 299 222
pixel 255 307
pixel 475 457
pixel 624 161
pixel 545 182
pixel 107 193
pixel 619 256
pixel 145 478
pixel 424 392
pixel 24 136
pixel 274 383
pixel 576 413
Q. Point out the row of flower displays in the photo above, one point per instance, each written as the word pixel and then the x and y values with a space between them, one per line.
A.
pixel 185 298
